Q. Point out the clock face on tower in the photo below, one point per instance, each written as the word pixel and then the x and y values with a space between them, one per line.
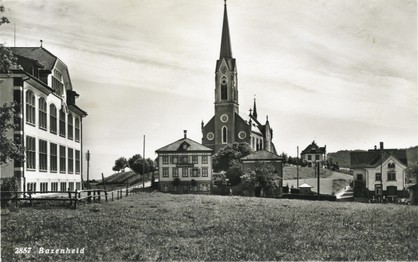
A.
pixel 223 69
pixel 224 118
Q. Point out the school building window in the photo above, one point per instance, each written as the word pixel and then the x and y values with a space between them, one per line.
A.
pixel 42 113
pixel 70 126
pixel 43 155
pixel 70 160
pixel 195 172
pixel 30 152
pixel 78 186
pixel 77 129
pixel 184 172
pixel 31 187
pixel 165 159
pixel 44 186
pixel 30 107
pixel 71 186
pixel 63 186
pixel 195 160
pixel 62 122
pixel 174 160
pixel 52 119
pixel 62 159
pixel 54 186
pixel 53 157
pixel 77 162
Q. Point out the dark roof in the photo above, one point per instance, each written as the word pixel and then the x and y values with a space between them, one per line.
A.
pixel 314 149
pixel 371 158
pixel 39 54
pixel 177 146
pixel 262 155
pixel 226 50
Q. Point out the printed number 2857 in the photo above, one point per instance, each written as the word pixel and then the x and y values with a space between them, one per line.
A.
pixel 22 250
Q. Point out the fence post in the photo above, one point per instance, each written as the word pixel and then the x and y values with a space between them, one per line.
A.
pixel 94 195
pixel 89 196
pixel 105 195
pixel 16 198
pixel 75 199
pixel 112 195
pixel 69 196
pixel 99 193
pixel 30 199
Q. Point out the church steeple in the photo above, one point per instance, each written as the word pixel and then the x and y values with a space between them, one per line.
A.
pixel 226 50
pixel 255 109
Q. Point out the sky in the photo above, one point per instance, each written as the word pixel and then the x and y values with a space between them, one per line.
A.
pixel 342 73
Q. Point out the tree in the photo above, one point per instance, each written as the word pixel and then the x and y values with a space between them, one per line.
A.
pixel 120 164
pixel 285 157
pixel 10 150
pixel 264 177
pixel 136 163
pixel 228 159
pixel 7 59
pixel 3 20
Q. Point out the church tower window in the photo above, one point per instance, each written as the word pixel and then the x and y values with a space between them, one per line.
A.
pixel 224 135
pixel 224 89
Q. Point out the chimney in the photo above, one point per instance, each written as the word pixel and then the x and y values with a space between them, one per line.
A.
pixel 185 133
pixel 375 147
pixel 381 145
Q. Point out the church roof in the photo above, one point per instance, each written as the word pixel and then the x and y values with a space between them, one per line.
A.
pixel 226 50
pixel 261 155
pixel 177 146
pixel 39 54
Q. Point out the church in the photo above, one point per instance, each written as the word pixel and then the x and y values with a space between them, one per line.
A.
pixel 227 126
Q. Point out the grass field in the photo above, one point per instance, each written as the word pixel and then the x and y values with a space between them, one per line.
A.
pixel 157 226
pixel 289 172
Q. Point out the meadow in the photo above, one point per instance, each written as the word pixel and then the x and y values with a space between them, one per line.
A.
pixel 157 226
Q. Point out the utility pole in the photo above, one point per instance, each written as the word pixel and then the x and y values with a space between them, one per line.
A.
pixel 88 164
pixel 143 166
pixel 297 167
pixel 319 175
pixel 381 171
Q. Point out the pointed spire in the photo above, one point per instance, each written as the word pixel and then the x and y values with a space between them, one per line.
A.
pixel 255 109
pixel 226 41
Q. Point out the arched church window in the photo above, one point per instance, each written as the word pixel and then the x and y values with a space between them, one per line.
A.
pixel 224 135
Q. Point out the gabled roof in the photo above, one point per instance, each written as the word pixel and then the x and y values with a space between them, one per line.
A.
pixel 177 146
pixel 314 149
pixel 261 155
pixel 305 185
pixel 39 54
pixel 372 158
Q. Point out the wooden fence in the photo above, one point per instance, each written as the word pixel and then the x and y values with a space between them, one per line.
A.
pixel 73 197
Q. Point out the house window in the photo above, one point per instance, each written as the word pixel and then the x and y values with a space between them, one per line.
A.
pixel 63 186
pixel 56 83
pixel 224 135
pixel 30 107
pixel 204 159
pixel 184 159
pixel 54 186
pixel 309 157
pixel 77 129
pixel 43 155
pixel 70 160
pixel 184 172
pixel 195 160
pixel 195 172
pixel 77 162
pixel 62 159
pixel 204 172
pixel 165 160
pixel 165 172
pixel 70 126
pixel 42 113
pixel 53 157
pixel 52 119
pixel 174 160
pixel 391 165
pixel 62 122
pixel 359 176
pixel 378 177
pixel 391 176
pixel 316 157
pixel 175 172
pixel 30 152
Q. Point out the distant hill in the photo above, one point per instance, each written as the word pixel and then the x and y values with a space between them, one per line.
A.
pixel 343 157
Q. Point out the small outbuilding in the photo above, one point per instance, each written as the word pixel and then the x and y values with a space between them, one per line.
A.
pixel 305 189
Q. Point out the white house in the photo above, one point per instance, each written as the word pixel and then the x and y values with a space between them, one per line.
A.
pixel 313 153
pixel 49 124
pixel 185 166
pixel 379 173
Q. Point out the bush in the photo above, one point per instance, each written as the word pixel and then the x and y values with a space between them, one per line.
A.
pixel 9 184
